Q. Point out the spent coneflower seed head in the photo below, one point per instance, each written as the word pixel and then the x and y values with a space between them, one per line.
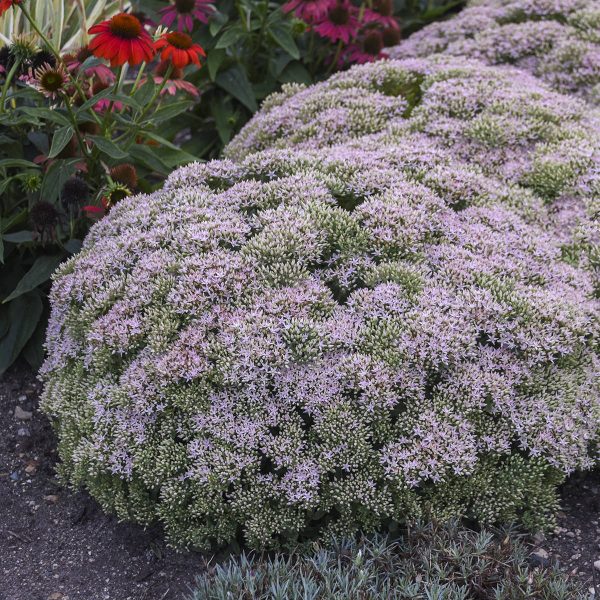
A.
pixel 74 192
pixel 6 59
pixel 373 43
pixel 23 49
pixel 124 174
pixel 83 54
pixel 44 217
pixel 43 57
pixel 391 36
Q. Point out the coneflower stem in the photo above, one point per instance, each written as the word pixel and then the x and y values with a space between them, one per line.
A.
pixel 7 83
pixel 80 141
pixel 138 78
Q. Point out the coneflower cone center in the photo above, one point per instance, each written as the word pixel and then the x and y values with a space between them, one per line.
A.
pixel 51 81
pixel 181 41
pixel 125 26
pixel 185 6
pixel 339 15
pixel 373 43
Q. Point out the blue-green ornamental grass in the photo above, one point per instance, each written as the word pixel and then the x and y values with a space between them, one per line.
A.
pixel 429 562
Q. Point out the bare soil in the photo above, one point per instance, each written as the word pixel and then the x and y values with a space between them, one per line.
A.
pixel 58 545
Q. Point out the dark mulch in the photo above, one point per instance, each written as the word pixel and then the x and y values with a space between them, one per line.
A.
pixel 58 545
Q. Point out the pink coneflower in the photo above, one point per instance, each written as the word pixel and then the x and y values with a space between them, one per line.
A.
pixel 372 16
pixel 381 13
pixel 311 11
pixel 50 81
pixel 104 104
pixel 340 23
pixel 101 72
pixel 143 18
pixel 368 49
pixel 175 82
pixel 185 11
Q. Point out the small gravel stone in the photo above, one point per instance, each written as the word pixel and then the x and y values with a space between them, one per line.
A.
pixel 539 558
pixel 539 538
pixel 22 415
pixel 597 565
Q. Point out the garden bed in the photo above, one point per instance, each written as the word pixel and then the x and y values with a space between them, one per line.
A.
pixel 58 545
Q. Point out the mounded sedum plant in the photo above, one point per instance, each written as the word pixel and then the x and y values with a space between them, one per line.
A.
pixel 502 122
pixel 501 119
pixel 558 41
pixel 282 348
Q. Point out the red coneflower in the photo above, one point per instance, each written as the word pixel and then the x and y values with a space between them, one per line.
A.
pixel 6 4
pixel 179 49
pixel 101 72
pixel 121 40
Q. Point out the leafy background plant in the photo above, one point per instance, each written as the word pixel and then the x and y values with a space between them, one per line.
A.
pixel 252 47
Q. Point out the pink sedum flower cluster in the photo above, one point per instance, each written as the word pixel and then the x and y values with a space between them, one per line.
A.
pixel 559 42
pixel 381 305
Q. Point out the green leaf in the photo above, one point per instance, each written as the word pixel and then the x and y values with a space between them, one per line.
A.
pixel 169 111
pixel 108 147
pixel 235 82
pixel 7 163
pixel 33 351
pixel 40 140
pixel 214 60
pixel 230 37
pixel 72 246
pixel 295 72
pixel 144 94
pixel 283 38
pixel 147 157
pixel 45 113
pixel 18 237
pixel 39 273
pixel 15 219
pixel 217 22
pixel 60 139
pixel 23 316
pixel 175 157
pixel 278 63
pixel 56 175
pixel 90 61
pixel 94 100
pixel 222 115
